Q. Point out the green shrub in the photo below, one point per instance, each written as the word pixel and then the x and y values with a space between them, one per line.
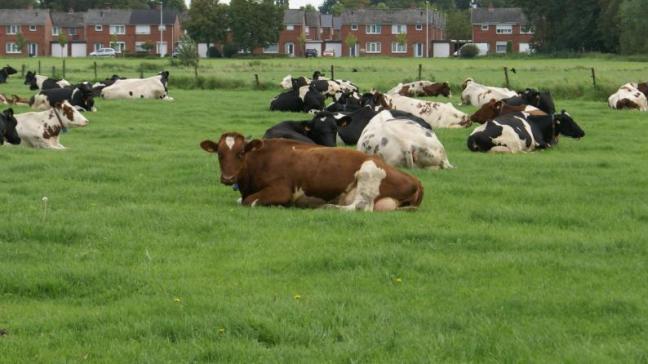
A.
pixel 469 51
pixel 213 52
pixel 230 49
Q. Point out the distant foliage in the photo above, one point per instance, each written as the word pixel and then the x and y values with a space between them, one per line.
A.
pixel 230 50
pixel 469 51
pixel 188 52
pixel 213 52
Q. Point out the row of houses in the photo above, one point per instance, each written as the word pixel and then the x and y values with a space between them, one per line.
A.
pixel 128 31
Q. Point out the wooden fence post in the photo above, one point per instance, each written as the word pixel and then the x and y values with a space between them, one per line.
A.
pixel 95 70
pixel 63 67
pixel 594 77
pixel 53 71
pixel 420 72
pixel 39 67
pixel 141 70
pixel 256 79
pixel 508 84
pixel 332 72
pixel 22 71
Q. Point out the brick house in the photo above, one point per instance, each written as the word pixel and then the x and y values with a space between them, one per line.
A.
pixel 497 27
pixel 72 25
pixel 34 25
pixel 146 24
pixel 390 32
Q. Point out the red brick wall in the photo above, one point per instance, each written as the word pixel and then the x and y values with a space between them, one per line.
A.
pixel 40 37
pixel 171 36
pixel 491 37
pixel 386 38
pixel 290 36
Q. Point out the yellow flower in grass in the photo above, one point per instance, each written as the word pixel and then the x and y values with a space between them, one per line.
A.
pixel 221 331
pixel 177 300
pixel 398 280
pixel 297 296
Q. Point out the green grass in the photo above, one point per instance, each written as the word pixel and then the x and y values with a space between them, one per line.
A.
pixel 144 257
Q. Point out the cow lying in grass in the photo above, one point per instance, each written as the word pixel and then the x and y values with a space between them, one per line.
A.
pixel 5 72
pixel 135 88
pixel 322 129
pixel 628 96
pixel 279 172
pixel 43 129
pixel 421 88
pixel 80 96
pixel 477 94
pixel 38 82
pixel 8 130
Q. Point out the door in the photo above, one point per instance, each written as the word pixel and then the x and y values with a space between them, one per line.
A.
pixel 33 49
pixel 290 49
pixel 79 50
pixel 353 51
pixel 418 50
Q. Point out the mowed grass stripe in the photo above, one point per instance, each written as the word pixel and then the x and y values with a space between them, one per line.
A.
pixel 145 257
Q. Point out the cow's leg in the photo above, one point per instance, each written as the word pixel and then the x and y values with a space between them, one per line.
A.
pixel 369 178
pixel 501 149
pixel 269 196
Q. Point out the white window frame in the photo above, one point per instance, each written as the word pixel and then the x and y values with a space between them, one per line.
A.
pixel 56 30
pixel 419 55
pixel 138 47
pixel 13 29
pixel 504 29
pixel 32 28
pixel 290 27
pixel 395 47
pixel 121 46
pixel 399 28
pixel 373 47
pixel 98 28
pixel 419 26
pixel 142 29
pixel 117 29
pixel 12 48
pixel 306 30
pixel 354 27
pixel 498 45
pixel 373 29
pixel 158 46
pixel 485 27
pixel 72 31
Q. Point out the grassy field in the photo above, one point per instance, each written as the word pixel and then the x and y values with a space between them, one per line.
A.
pixel 143 257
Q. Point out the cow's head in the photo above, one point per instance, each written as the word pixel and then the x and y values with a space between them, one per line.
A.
pixel 566 126
pixel 317 75
pixel 68 115
pixel 287 82
pixel 10 70
pixel 643 87
pixel 8 128
pixel 299 82
pixel 377 100
pixel 488 111
pixel 438 89
pixel 540 99
pixel 231 149
pixel 164 78
pixel 30 79
pixel 466 82
pixel 324 127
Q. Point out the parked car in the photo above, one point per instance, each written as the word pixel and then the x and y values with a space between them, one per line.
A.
pixel 310 53
pixel 328 53
pixel 104 52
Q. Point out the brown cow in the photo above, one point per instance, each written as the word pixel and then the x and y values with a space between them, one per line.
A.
pixel 421 88
pixel 495 108
pixel 289 173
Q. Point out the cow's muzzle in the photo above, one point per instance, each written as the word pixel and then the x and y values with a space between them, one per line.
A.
pixel 228 180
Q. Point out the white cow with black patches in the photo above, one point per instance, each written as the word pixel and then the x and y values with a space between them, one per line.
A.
pixel 437 114
pixel 134 88
pixel 477 94
pixel 403 143
pixel 628 96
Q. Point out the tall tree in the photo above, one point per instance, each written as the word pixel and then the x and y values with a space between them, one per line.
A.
pixel 458 24
pixel 18 4
pixel 633 15
pixel 208 21
pixel 255 23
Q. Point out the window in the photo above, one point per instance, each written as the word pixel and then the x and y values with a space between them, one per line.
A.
pixel 501 47
pixel 98 28
pixel 117 29
pixel 504 29
pixel 373 47
pixel 13 29
pixel 399 48
pixel 12 48
pixel 272 48
pixel 354 26
pixel 373 29
pixel 399 29
pixel 419 26
pixel 120 47
pixel 142 29
pixel 98 46
pixel 139 47
pixel 485 27
pixel 290 27
pixel 32 28
pixel 526 29
pixel 306 30
pixel 160 47
pixel 72 31
pixel 56 30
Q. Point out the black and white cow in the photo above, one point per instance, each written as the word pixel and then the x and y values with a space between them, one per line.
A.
pixel 361 118
pixel 522 132
pixel 345 101
pixel 98 86
pixel 5 72
pixel 539 99
pixel 322 129
pixel 8 130
pixel 154 87
pixel 38 82
pixel 305 99
pixel 79 96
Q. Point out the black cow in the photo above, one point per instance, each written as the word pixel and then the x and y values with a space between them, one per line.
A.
pixel 510 133
pixel 5 72
pixel 307 98
pixel 360 118
pixel 540 99
pixel 322 129
pixel 346 101
pixel 8 128
pixel 80 96
pixel 38 82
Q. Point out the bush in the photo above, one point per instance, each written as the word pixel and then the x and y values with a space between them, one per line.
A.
pixel 469 51
pixel 213 52
pixel 230 49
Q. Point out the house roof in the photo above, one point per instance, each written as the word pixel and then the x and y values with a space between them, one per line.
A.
pixel 326 20
pixel 337 22
pixel 67 20
pixel 390 16
pixel 497 16
pixel 312 18
pixel 23 16
pixel 293 16
pixel 152 16
pixel 108 16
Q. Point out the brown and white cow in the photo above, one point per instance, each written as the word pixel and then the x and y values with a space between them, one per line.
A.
pixel 421 88
pixel 43 129
pixel 628 96
pixel 289 173
pixel 437 114
pixel 477 94
pixel 495 108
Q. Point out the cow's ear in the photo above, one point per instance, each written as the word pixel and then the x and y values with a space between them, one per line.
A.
pixel 209 146
pixel 342 120
pixel 253 145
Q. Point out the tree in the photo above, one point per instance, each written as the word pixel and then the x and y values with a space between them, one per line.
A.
pixel 350 41
pixel 327 6
pixel 62 41
pixel 633 33
pixel 188 53
pixel 17 4
pixel 401 38
pixel 208 21
pixel 458 25
pixel 21 42
pixel 255 24
pixel 301 39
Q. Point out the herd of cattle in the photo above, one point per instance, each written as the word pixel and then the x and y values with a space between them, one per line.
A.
pixel 297 163
pixel 61 104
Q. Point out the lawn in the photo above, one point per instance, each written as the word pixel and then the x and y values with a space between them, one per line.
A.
pixel 141 256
